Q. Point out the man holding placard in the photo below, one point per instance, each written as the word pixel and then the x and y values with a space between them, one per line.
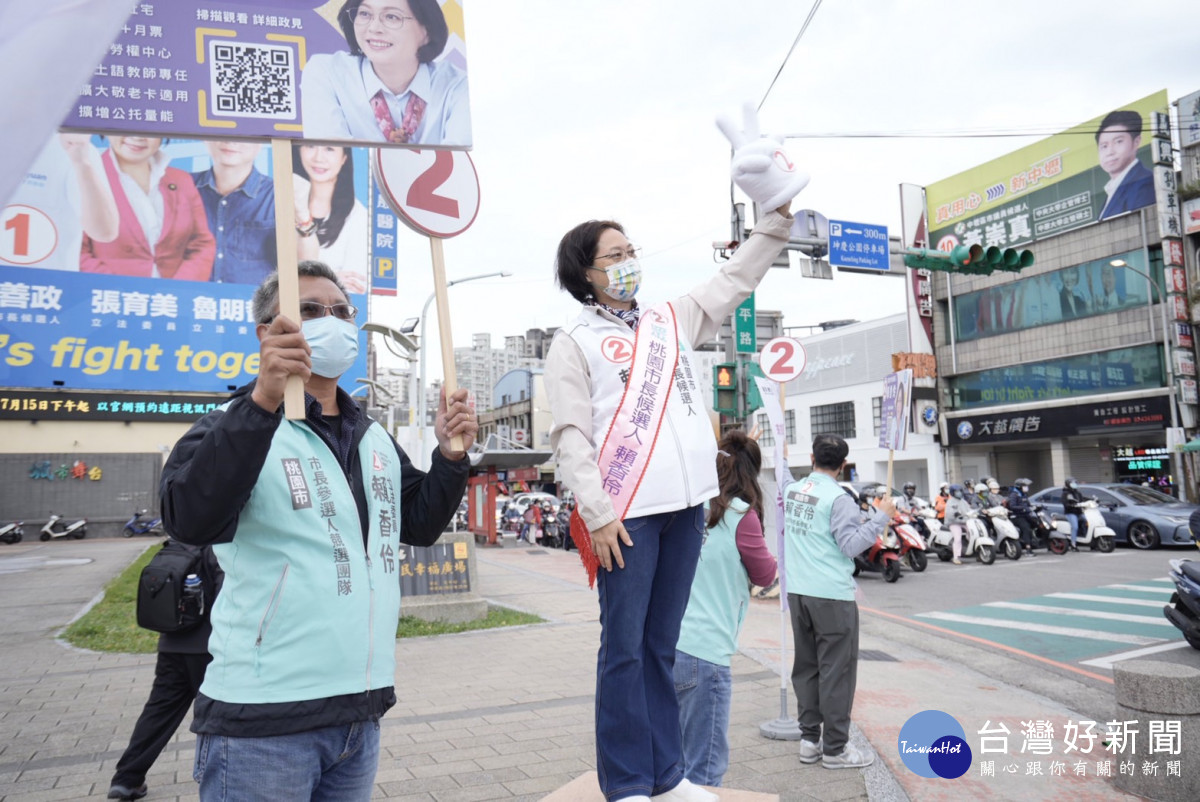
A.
pixel 307 518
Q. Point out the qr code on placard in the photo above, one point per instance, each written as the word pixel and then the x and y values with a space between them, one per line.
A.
pixel 252 80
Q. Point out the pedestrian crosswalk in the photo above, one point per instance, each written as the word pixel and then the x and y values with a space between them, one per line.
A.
pixel 1071 626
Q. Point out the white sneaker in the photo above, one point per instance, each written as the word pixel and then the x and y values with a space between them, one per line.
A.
pixel 638 798
pixel 810 752
pixel 852 757
pixel 686 791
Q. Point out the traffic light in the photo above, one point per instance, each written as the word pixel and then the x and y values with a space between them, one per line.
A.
pixel 725 387
pixel 973 259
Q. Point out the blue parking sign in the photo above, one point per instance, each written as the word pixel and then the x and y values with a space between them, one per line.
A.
pixel 860 245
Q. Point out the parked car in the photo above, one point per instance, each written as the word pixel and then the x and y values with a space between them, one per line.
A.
pixel 1138 515
pixel 522 500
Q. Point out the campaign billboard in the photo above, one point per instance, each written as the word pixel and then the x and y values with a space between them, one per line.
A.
pixel 360 71
pixel 128 263
pixel 894 410
pixel 1064 182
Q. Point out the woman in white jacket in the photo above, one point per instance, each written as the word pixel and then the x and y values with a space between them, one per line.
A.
pixel 634 444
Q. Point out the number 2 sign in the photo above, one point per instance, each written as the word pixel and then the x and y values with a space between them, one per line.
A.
pixel 782 359
pixel 435 192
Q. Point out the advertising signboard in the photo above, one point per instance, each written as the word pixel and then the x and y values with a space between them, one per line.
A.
pixel 1069 420
pixel 88 304
pixel 283 68
pixel 1059 184
pixel 383 244
pixel 1189 119
pixel 893 415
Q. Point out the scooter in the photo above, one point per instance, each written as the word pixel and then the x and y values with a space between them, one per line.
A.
pixel 77 530
pixel 1184 608
pixel 137 525
pixel 924 518
pixel 551 537
pixel 976 542
pixel 12 533
pixel 1008 537
pixel 883 557
pixel 1094 531
pixel 912 545
pixel 1050 531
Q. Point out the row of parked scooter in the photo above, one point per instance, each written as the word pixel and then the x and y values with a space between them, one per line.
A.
pixel 142 523
pixel 916 531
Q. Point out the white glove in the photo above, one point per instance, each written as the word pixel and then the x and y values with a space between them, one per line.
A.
pixel 760 167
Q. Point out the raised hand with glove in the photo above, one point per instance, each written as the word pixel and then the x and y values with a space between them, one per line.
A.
pixel 760 166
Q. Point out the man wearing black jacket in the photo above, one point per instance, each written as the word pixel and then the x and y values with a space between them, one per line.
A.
pixel 1072 498
pixel 1020 512
pixel 306 518
pixel 178 673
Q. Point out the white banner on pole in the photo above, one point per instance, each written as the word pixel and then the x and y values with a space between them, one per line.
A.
pixel 773 406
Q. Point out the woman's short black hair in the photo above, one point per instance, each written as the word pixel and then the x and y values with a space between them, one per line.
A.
pixel 428 13
pixel 576 252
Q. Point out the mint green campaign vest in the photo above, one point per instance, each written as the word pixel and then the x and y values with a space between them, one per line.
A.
pixel 305 612
pixel 720 593
pixel 815 565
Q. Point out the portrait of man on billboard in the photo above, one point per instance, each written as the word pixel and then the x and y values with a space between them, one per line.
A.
pixel 1131 184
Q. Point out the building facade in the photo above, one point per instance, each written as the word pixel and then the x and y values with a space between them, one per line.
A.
pixel 841 392
pixel 480 367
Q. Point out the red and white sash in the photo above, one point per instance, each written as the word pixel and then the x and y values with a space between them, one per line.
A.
pixel 633 432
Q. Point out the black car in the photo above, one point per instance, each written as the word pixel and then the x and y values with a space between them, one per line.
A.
pixel 1138 515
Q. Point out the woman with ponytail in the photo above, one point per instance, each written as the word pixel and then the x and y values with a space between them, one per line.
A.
pixel 733 555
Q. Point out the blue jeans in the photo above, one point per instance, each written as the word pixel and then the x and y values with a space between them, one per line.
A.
pixel 639 749
pixel 1074 519
pixel 705 692
pixel 332 764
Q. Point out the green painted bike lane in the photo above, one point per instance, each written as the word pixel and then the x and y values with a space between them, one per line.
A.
pixel 1070 625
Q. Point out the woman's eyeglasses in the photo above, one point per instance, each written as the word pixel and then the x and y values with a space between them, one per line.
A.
pixel 620 256
pixel 390 19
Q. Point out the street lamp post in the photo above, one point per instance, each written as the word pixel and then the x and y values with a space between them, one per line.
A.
pixel 407 346
pixel 422 413
pixel 1176 466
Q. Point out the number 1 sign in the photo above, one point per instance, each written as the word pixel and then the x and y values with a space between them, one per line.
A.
pixel 436 193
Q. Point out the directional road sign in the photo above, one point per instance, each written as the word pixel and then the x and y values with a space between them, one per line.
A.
pixel 858 245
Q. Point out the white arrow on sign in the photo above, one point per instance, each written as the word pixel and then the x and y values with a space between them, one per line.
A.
pixel 782 359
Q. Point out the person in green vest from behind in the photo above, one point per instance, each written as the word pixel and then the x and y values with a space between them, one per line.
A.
pixel 824 531
pixel 733 554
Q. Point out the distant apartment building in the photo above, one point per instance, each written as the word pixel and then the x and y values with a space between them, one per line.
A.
pixel 481 366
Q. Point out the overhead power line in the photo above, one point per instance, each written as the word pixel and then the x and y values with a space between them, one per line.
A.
pixel 941 134
pixel 811 13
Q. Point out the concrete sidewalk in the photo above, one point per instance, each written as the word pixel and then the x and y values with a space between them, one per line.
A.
pixel 500 714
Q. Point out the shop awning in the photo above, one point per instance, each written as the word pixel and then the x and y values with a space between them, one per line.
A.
pixel 497 453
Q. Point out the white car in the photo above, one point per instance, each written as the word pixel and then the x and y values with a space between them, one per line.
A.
pixel 522 500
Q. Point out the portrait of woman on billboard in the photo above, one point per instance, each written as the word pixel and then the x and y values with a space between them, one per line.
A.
pixel 331 222
pixel 163 230
pixel 391 85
